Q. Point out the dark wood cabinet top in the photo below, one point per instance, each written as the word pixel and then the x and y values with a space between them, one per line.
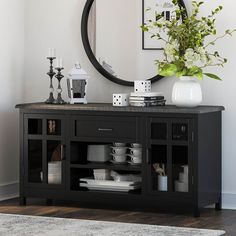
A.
pixel 110 108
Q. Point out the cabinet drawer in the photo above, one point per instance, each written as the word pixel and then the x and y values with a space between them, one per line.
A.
pixel 106 127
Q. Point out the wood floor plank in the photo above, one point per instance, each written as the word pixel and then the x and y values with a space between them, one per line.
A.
pixel 210 219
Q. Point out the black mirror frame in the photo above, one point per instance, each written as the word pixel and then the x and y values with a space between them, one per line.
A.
pixel 92 58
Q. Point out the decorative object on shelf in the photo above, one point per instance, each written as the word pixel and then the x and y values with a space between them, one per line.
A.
pixel 110 185
pixel 162 177
pixel 56 155
pixel 51 126
pixel 54 172
pixel 119 159
pixel 98 153
pixel 119 155
pixel 181 185
pixel 142 86
pixel 125 177
pixel 187 58
pixel 102 174
pixel 150 10
pixel 77 83
pixel 146 99
pixel 51 56
pixel 59 76
pixel 187 92
pixel 121 100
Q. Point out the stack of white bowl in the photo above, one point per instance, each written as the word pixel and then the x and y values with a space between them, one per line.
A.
pixel 181 185
pixel 54 172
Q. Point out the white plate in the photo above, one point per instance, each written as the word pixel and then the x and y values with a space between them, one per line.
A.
pixel 109 182
pixel 110 188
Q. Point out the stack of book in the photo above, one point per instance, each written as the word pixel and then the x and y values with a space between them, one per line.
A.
pixel 146 99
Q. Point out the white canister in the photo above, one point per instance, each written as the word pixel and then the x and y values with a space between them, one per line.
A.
pixel 183 177
pixel 187 92
pixel 162 183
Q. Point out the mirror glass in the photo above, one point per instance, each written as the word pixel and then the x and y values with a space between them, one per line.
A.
pixel 116 39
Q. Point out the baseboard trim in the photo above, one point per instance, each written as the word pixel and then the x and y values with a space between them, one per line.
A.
pixel 9 191
pixel 229 201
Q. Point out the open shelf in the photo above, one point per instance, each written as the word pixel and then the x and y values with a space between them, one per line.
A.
pixel 79 152
pixel 76 174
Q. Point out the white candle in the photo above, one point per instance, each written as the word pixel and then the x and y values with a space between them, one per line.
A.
pixel 59 63
pixel 51 52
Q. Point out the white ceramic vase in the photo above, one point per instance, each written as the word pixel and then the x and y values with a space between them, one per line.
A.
pixel 187 92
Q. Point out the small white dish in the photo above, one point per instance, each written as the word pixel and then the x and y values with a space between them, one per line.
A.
pixel 119 150
pixel 136 151
pixel 119 144
pixel 118 163
pixel 134 164
pixel 136 145
pixel 135 159
pixel 119 158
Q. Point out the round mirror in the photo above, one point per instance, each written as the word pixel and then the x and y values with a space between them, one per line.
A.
pixel 114 41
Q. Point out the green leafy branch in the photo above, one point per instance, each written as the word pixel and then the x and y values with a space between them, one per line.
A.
pixel 186 51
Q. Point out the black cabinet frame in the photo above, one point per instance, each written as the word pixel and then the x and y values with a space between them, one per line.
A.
pixel 204 158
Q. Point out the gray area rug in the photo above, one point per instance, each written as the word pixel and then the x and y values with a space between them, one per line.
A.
pixel 33 225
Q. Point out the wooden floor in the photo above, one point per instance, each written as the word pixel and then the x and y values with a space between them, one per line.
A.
pixel 210 219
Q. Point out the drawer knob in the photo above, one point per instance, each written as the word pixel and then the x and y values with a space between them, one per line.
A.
pixel 104 130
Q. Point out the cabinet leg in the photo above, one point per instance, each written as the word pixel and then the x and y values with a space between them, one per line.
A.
pixel 218 205
pixel 22 201
pixel 49 202
pixel 196 212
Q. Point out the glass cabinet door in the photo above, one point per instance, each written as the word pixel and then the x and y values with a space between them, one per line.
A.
pixel 169 155
pixel 54 162
pixel 180 169
pixel 159 172
pixel 35 161
pixel 45 150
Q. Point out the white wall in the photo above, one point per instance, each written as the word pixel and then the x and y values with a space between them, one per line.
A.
pixel 12 65
pixel 56 23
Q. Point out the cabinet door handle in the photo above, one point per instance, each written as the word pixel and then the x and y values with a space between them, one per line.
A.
pixel 63 152
pixel 148 155
pixel 104 130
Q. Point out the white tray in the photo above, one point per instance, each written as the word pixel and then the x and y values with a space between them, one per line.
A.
pixel 109 188
pixel 109 183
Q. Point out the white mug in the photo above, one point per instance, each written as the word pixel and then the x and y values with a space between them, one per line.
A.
pixel 119 144
pixel 117 158
pixel 136 145
pixel 119 150
pixel 136 160
pixel 136 151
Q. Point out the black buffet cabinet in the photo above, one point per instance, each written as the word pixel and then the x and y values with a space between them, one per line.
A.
pixel 54 140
